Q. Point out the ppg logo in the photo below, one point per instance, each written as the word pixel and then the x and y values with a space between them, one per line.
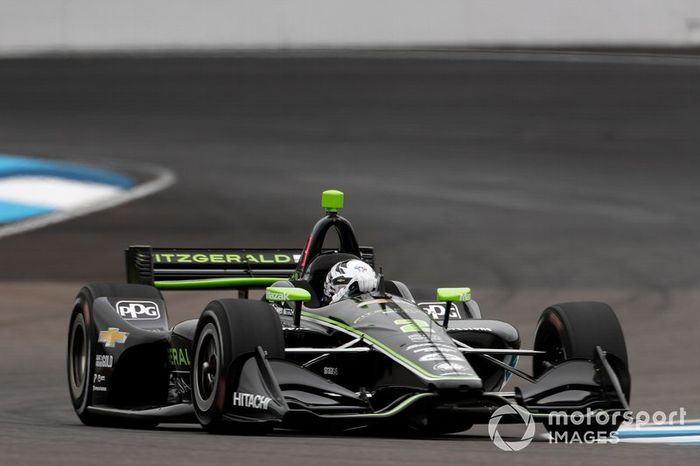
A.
pixel 437 310
pixel 138 310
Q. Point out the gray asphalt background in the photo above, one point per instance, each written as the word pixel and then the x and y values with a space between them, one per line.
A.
pixel 533 181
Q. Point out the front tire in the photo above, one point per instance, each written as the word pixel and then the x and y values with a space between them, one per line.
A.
pixel 227 330
pixel 572 331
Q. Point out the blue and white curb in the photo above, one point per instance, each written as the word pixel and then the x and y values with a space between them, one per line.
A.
pixel 35 193
pixel 687 433
pixel 32 187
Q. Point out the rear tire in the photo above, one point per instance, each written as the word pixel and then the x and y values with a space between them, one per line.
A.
pixel 228 329
pixel 82 342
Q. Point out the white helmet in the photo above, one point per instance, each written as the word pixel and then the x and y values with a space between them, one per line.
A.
pixel 346 273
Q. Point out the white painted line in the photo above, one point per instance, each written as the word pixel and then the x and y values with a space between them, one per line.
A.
pixel 53 192
pixel 162 179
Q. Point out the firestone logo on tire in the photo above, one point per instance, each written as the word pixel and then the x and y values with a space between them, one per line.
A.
pixel 511 445
pixel 138 310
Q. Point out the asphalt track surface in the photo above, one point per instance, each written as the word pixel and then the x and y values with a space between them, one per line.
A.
pixel 533 181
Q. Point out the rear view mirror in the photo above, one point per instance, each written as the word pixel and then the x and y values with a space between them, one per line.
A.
pixel 277 294
pixel 450 295
pixel 454 294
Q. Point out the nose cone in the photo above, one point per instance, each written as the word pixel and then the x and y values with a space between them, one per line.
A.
pixel 457 384
pixel 411 337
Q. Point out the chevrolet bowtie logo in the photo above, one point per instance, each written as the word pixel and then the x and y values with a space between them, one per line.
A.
pixel 112 336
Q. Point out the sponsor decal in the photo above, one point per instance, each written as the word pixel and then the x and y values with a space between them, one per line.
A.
pixel 419 337
pixel 249 400
pixel 275 296
pixel 138 310
pixel 412 325
pixel 104 360
pixel 112 336
pixel 418 346
pixel 440 357
pixel 436 311
pixel 178 357
pixel 330 371
pixel 96 379
pixel 450 367
pixel 282 310
pixel 224 258
pixel 473 329
pixel 359 266
pixel 432 348
pixel 423 347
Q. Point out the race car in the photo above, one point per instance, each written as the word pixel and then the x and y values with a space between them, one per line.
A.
pixel 275 354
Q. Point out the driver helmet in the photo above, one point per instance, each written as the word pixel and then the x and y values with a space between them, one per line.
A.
pixel 344 275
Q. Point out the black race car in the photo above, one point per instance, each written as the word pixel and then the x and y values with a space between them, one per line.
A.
pixel 420 364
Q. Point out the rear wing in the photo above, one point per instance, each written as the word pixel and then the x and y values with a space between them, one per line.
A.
pixel 175 268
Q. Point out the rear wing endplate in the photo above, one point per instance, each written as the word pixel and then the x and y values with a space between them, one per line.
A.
pixel 176 268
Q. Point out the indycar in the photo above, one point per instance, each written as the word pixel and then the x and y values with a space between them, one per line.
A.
pixel 392 360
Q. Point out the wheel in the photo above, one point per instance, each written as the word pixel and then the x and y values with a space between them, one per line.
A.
pixel 78 364
pixel 573 330
pixel 82 341
pixel 227 329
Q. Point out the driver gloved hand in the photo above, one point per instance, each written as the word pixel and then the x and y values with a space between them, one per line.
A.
pixel 366 281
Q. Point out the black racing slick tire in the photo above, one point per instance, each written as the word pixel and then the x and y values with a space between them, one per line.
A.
pixel 227 330
pixel 82 346
pixel 573 330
